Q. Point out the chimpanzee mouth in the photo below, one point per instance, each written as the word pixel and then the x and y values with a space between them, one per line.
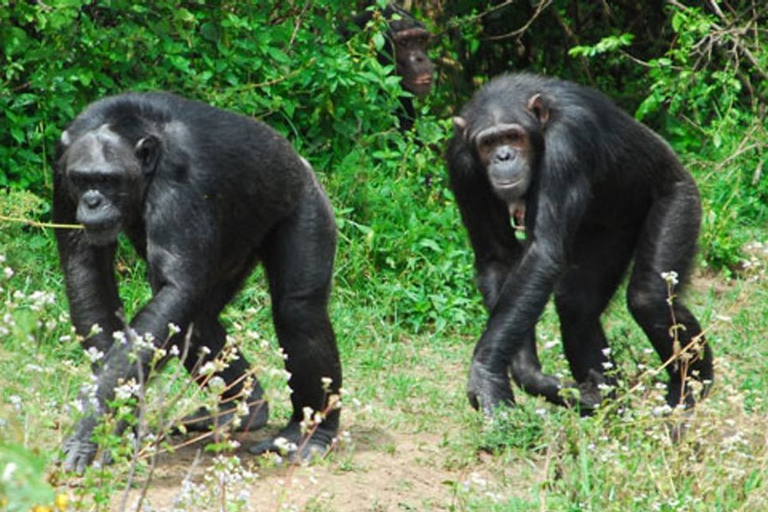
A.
pixel 423 80
pixel 507 185
pixel 102 234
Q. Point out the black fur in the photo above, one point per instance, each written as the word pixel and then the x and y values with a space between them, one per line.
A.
pixel 203 194
pixel 604 189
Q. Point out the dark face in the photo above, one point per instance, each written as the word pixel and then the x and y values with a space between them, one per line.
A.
pixel 412 62
pixel 104 176
pixel 505 151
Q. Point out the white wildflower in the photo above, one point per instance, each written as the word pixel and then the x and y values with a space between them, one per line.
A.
pixel 670 277
pixel 94 354
pixel 8 472
pixel 15 401
pixel 127 390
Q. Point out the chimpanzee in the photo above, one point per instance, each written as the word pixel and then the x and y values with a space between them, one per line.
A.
pixel 592 188
pixel 203 195
pixel 406 43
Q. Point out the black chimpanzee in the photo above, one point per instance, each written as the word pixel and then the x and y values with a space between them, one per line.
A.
pixel 203 195
pixel 406 44
pixel 592 189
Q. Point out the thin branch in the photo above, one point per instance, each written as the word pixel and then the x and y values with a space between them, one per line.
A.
pixel 34 223
pixel 267 83
pixel 720 33
pixel 737 42
pixel 543 4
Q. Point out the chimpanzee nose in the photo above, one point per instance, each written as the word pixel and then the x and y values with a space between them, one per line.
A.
pixel 92 199
pixel 503 154
pixel 418 58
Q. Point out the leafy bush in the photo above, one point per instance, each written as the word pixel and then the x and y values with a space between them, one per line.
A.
pixel 708 101
pixel 706 95
pixel 282 63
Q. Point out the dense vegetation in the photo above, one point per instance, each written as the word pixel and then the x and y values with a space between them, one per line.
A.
pixel 404 298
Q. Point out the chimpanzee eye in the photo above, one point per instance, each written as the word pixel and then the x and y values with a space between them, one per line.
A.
pixel 93 180
pixel 487 142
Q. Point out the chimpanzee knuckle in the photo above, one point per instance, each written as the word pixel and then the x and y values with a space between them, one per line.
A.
pixel 78 454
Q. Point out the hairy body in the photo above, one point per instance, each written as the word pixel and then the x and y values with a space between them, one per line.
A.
pixel 203 195
pixel 594 190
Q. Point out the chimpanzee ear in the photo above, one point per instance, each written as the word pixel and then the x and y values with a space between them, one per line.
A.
pixel 538 107
pixel 147 151
pixel 460 126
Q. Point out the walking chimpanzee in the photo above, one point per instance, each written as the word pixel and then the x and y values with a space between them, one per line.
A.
pixel 203 195
pixel 593 190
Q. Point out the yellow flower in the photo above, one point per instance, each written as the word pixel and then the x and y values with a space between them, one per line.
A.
pixel 61 502
pixel 40 508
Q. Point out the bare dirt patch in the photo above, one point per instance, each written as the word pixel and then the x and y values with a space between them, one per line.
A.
pixel 375 471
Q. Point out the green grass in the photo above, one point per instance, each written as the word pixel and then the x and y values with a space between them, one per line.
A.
pixel 406 316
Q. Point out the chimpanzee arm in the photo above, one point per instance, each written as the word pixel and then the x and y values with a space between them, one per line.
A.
pixel 179 256
pixel 179 253
pixel 557 209
pixel 89 276
pixel 487 221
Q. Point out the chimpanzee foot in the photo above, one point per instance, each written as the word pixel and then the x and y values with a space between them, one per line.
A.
pixel 585 396
pixel 290 442
pixel 204 420
pixel 487 390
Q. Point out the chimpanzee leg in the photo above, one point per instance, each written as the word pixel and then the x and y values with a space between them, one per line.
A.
pixel 208 332
pixel 668 243
pixel 298 257
pixel 598 262
pixel 525 369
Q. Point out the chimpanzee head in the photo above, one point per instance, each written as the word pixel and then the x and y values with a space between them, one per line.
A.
pixel 412 62
pixel 409 43
pixel 507 141
pixel 106 177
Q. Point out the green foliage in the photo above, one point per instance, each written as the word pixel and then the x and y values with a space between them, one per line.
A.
pixel 713 122
pixel 22 483
pixel 283 63
pixel 402 243
pixel 605 45
pixel 704 103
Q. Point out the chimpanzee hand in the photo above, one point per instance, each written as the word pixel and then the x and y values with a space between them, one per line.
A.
pixel 488 390
pixel 79 450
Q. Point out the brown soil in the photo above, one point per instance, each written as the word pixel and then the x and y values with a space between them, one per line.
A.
pixel 375 471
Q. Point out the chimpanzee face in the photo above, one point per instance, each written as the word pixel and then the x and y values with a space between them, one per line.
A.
pixel 412 62
pixel 104 175
pixel 505 152
pixel 506 149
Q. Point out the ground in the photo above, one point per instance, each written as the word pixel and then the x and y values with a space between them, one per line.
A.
pixel 374 470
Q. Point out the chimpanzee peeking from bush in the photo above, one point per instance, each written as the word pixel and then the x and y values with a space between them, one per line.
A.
pixel 592 189
pixel 203 195
pixel 406 43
